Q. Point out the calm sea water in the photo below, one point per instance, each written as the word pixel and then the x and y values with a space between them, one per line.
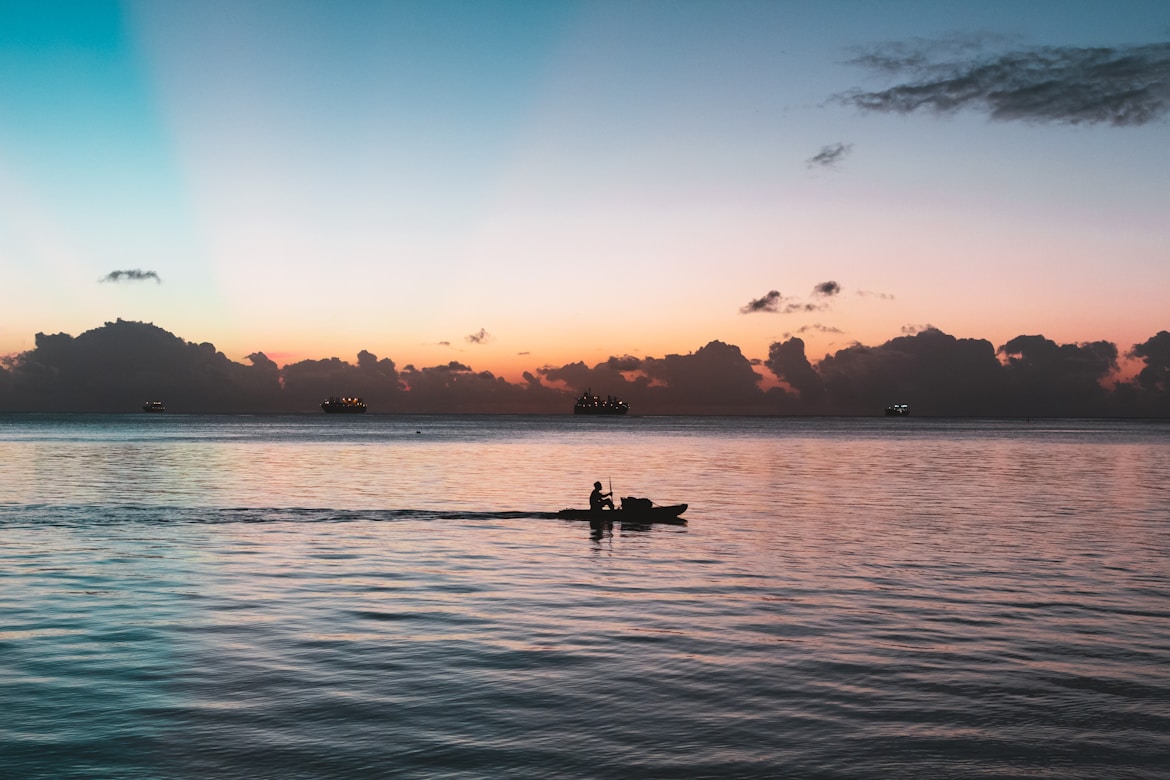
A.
pixel 308 596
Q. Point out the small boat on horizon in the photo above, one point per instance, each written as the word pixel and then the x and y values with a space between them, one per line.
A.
pixel 898 410
pixel 343 405
pixel 589 403
pixel 154 406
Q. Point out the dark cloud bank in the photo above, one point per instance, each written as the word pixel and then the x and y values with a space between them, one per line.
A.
pixel 118 366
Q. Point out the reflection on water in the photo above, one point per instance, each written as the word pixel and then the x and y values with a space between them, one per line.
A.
pixel 281 597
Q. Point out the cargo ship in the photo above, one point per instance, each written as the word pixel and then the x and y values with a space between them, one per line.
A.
pixel 343 405
pixel 595 404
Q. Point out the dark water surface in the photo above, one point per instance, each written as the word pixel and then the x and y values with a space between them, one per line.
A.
pixel 306 596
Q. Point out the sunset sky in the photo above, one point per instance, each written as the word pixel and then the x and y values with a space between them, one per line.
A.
pixel 519 184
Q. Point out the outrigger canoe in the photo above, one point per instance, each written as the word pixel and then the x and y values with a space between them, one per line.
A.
pixel 628 514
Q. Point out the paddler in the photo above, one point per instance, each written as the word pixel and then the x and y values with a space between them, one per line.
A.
pixel 599 500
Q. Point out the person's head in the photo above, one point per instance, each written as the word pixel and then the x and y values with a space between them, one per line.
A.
pixel 597 485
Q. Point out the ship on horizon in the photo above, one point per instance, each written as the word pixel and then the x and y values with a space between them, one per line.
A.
pixel 343 405
pixel 589 403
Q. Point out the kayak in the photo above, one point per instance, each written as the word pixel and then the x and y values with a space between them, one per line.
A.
pixel 626 514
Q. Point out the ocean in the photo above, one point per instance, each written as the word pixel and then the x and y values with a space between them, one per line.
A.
pixel 380 596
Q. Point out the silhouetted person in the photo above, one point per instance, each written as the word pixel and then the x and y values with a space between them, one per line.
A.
pixel 599 500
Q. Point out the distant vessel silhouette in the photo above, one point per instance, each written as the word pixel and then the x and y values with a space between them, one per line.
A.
pixel 594 404
pixel 897 410
pixel 343 405
pixel 153 406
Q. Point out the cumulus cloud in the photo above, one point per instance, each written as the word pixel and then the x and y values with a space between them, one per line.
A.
pixel 120 365
pixel 788 362
pixel 1054 379
pixel 714 377
pixel 1155 351
pixel 482 337
pixel 829 156
pixel 827 289
pixel 1118 85
pixel 132 275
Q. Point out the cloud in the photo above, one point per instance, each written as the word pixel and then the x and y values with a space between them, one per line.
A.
pixel 940 375
pixel 913 330
pixel 1059 379
pixel 1120 85
pixel 482 337
pixel 624 363
pixel 871 294
pixel 794 307
pixel 455 387
pixel 715 379
pixel 775 303
pixel 133 275
pixel 937 374
pixel 453 367
pixel 926 53
pixel 770 302
pixel 815 328
pixel 829 156
pixel 788 362
pixel 121 364
pixel 1156 352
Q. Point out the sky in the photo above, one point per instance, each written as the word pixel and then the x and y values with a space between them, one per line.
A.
pixel 523 184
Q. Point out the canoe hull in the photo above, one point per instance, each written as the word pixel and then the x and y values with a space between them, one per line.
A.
pixel 656 514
